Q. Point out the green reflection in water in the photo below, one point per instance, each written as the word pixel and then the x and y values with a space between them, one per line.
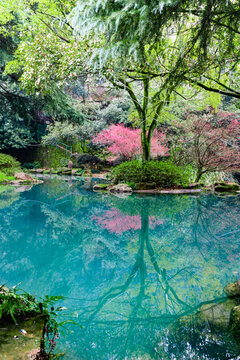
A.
pixel 129 267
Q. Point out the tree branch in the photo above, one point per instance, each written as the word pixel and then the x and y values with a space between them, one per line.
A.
pixel 209 88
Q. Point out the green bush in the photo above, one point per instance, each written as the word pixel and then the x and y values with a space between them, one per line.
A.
pixel 9 165
pixel 164 174
pixel 5 178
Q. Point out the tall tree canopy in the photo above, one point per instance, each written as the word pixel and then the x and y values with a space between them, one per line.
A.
pixel 163 45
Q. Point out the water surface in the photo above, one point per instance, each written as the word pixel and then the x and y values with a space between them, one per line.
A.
pixel 129 267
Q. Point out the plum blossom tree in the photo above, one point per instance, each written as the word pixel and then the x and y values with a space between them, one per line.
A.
pixel 121 140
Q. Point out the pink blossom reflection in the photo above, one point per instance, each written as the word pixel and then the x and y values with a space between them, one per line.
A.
pixel 116 222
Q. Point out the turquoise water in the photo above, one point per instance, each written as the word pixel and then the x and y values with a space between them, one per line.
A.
pixel 129 267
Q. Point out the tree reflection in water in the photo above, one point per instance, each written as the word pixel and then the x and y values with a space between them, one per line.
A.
pixel 129 267
pixel 174 306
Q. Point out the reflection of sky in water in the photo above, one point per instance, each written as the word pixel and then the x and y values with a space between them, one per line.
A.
pixel 128 266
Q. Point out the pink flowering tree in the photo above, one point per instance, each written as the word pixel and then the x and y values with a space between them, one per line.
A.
pixel 211 142
pixel 121 140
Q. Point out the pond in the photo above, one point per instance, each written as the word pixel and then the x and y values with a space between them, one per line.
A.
pixel 129 267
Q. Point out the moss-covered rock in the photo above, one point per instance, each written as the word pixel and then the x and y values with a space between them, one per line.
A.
pixel 39 171
pixel 23 176
pixel 77 171
pixel 46 171
pixel 226 187
pixel 57 171
pixel 236 322
pixel 233 289
pixel 207 188
pixel 217 314
pixel 98 187
pixel 145 186
pixel 193 186
pixel 120 188
pixel 67 172
pixel 87 173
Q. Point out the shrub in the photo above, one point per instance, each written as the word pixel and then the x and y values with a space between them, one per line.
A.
pixel 87 159
pixel 8 164
pixel 164 174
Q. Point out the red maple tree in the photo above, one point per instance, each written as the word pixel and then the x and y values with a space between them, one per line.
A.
pixel 211 142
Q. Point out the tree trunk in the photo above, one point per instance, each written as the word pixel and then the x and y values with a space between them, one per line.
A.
pixel 146 148
pixel 199 175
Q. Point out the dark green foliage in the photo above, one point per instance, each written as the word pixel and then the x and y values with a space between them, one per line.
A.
pixel 84 159
pixel 33 165
pixel 8 164
pixel 17 111
pixel 16 116
pixel 14 133
pixel 164 174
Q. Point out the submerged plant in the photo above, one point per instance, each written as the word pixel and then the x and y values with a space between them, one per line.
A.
pixel 51 327
pixel 16 306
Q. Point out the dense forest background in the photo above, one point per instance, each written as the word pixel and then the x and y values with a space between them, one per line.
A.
pixel 70 70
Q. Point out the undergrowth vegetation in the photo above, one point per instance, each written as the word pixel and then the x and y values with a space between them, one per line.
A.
pixel 9 165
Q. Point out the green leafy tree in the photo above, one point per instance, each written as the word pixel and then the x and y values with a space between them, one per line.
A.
pixel 150 50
